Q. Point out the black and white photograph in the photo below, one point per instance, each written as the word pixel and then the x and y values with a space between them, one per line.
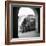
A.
pixel 26 22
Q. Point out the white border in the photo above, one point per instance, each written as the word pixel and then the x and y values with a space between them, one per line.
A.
pixel 41 25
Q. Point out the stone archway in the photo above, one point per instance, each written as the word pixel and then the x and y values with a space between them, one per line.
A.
pixel 23 13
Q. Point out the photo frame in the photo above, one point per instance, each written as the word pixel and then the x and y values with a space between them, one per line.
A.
pixel 24 22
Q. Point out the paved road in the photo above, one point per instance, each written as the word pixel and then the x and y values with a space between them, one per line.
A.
pixel 28 34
